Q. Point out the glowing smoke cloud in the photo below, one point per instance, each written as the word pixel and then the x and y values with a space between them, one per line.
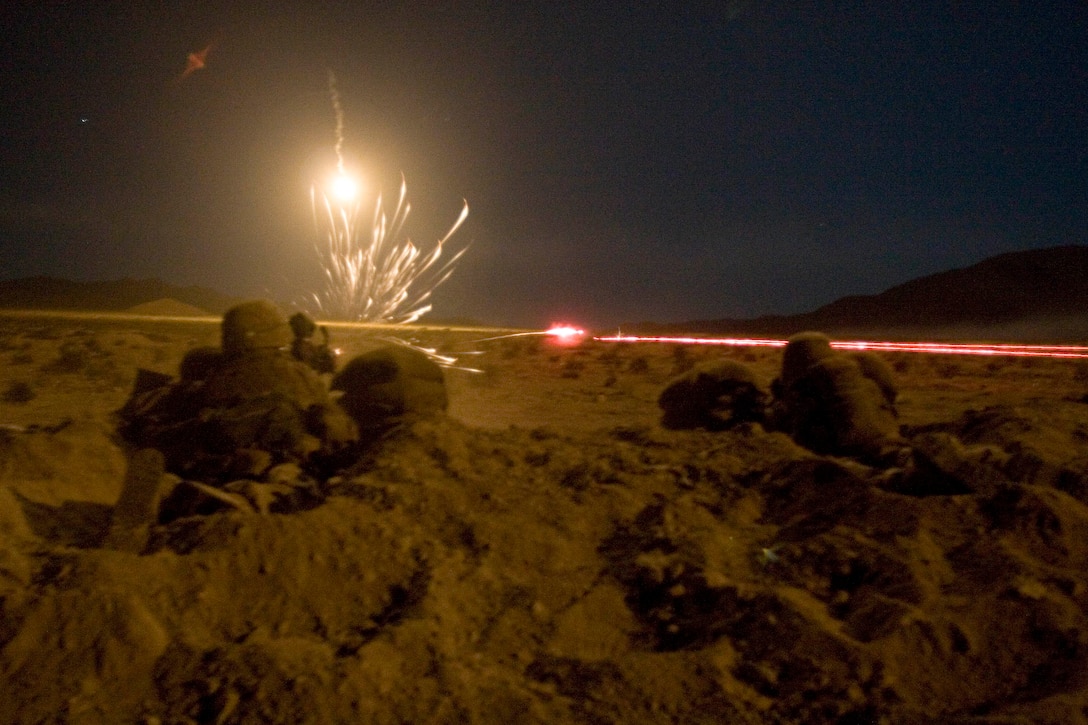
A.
pixel 372 274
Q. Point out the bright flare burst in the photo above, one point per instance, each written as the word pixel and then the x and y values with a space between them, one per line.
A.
pixel 373 274
pixel 565 335
pixel 344 188
pixel 561 334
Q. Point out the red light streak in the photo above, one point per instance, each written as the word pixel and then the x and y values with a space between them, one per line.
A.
pixel 564 331
pixel 566 335
pixel 938 348
pixel 735 341
pixel 560 334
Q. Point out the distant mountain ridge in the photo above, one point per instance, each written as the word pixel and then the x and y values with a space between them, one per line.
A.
pixel 1031 295
pixel 1041 293
pixel 51 293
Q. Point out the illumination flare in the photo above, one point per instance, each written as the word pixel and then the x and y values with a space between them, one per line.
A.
pixel 381 276
pixel 375 274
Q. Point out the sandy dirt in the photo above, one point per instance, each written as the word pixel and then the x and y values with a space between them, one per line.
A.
pixel 548 552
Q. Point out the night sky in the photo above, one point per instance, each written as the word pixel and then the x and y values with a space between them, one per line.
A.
pixel 623 162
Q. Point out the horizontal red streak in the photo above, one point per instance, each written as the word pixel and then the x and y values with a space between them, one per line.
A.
pixel 941 348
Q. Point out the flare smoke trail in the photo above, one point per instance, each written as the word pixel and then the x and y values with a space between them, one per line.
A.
pixel 334 96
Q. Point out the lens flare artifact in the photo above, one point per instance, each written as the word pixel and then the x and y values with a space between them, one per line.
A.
pixel 197 60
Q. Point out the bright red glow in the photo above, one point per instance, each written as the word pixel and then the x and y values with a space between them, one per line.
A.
pixel 563 334
pixel 739 342
pixel 942 348
pixel 565 331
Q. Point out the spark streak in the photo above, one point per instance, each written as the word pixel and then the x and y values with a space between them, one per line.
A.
pixel 383 278
pixel 940 348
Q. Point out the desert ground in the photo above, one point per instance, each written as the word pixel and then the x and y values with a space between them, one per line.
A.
pixel 548 552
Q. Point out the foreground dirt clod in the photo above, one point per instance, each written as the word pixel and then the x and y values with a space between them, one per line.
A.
pixel 469 571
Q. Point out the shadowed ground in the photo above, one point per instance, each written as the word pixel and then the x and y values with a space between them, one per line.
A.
pixel 548 552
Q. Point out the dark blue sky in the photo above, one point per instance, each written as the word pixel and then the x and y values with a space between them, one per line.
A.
pixel 623 162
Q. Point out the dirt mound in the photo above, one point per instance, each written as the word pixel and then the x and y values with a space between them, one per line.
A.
pixel 592 566
pixel 167 307
pixel 644 575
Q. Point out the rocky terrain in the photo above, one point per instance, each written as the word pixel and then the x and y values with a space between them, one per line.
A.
pixel 782 537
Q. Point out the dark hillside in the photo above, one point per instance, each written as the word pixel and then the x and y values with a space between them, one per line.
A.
pixel 50 293
pixel 1043 286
